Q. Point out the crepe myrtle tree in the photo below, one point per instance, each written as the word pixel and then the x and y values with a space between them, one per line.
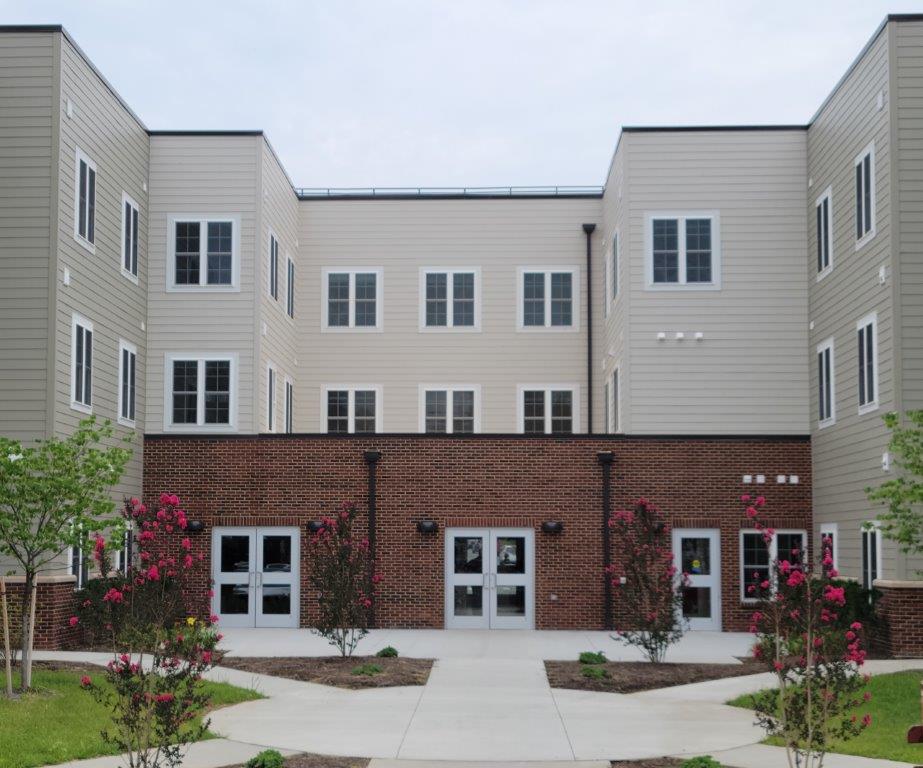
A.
pixel 53 494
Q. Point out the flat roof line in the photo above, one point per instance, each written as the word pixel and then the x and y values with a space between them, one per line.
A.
pixel 476 436
pixel 708 128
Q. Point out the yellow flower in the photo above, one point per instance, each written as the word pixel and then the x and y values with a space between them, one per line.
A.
pixel 191 621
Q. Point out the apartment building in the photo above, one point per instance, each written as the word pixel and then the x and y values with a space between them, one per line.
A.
pixel 487 371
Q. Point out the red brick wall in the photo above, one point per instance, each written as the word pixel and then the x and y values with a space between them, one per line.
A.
pixel 54 607
pixel 478 481
pixel 901 611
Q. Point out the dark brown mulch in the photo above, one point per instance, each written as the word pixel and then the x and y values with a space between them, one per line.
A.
pixel 333 670
pixel 653 762
pixel 633 676
pixel 325 761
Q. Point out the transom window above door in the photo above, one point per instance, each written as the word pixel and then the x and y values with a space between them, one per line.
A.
pixel 683 251
pixel 351 409
pixel 203 254
pixel 450 409
pixel 352 299
pixel 450 299
pixel 548 298
pixel 548 410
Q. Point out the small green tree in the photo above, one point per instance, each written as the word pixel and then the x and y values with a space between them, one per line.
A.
pixel 52 495
pixel 903 520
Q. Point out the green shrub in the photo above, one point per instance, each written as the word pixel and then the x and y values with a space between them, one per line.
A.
pixel 705 761
pixel 593 657
pixel 369 670
pixel 268 758
pixel 388 652
pixel 594 673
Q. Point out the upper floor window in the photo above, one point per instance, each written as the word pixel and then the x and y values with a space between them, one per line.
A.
pixel 616 402
pixel 757 556
pixel 548 298
pixel 550 410
pixel 352 409
pixel 290 288
pixel 871 553
pixel 273 266
pixel 449 298
pixel 271 398
pixel 203 254
pixel 201 391
pixel 865 195
pixel 826 392
pixel 824 211
pixel 614 266
pixel 81 364
pixel 85 200
pixel 351 299
pixel 450 409
pixel 683 251
pixel 867 337
pixel 289 406
pixel 128 359
pixel 130 218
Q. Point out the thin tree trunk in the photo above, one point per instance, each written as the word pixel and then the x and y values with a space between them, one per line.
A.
pixel 28 630
pixel 6 639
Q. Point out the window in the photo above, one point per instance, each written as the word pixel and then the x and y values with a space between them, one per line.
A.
pixel 450 409
pixel 826 391
pixel 616 402
pixel 449 299
pixel 77 564
pixel 289 406
pixel 548 298
pixel 607 426
pixel 613 280
pixel 683 251
pixel 124 556
pixel 270 398
pixel 548 409
pixel 351 409
pixel 290 289
pixel 867 337
pixel 273 266
pixel 128 357
pixel 129 237
pixel 829 537
pixel 85 201
pixel 865 195
pixel 201 391
pixel 756 558
pixel 351 299
pixel 871 553
pixel 204 254
pixel 81 364
pixel 824 210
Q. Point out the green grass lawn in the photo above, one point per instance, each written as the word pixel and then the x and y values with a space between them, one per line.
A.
pixel 894 707
pixel 61 722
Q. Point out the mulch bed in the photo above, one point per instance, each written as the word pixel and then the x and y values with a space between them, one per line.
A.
pixel 336 671
pixel 325 761
pixel 653 762
pixel 633 676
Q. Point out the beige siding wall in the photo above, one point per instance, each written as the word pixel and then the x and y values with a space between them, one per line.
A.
pixel 749 374
pixel 401 237
pixel 28 103
pixel 211 176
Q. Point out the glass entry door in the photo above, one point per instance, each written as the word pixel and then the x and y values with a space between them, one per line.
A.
pixel 489 577
pixel 697 553
pixel 256 572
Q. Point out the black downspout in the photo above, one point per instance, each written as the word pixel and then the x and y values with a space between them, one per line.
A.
pixel 605 458
pixel 588 229
pixel 371 459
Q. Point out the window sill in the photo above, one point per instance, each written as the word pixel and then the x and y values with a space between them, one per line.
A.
pixel 868 408
pixel 826 423
pixel 88 409
pixel 203 428
pixel 551 328
pixel 351 329
pixel 203 288
pixel 129 276
pixel 450 329
pixel 126 422
pixel 824 272
pixel 866 238
pixel 84 243
pixel 683 286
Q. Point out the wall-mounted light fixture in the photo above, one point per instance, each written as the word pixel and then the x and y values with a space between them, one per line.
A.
pixel 316 525
pixel 427 526
pixel 552 526
pixel 195 526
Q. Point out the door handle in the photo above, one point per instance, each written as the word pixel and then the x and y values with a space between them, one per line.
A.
pixel 493 581
pixel 259 579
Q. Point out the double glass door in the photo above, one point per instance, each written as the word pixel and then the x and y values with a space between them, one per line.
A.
pixel 489 578
pixel 696 552
pixel 255 571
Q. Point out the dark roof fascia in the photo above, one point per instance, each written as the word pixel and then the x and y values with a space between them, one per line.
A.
pixel 254 132
pixel 708 128
pixel 475 437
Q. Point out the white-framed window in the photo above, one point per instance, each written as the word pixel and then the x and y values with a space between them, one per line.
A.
pixel 757 557
pixel 123 556
pixel 273 284
pixel 616 402
pixel 548 298
pixel 85 200
pixel 351 299
pixel 289 406
pixel 867 338
pixel 271 397
pixel 450 299
pixel 200 392
pixel 81 364
pixel 830 531
pixel 128 360
pixel 871 553
pixel 865 195
pixel 683 250
pixel 548 409
pixel 203 253
pixel 351 409
pixel 612 272
pixel 450 409
pixel 607 423
pixel 290 287
pixel 826 384
pixel 77 564
pixel 130 236
pixel 824 232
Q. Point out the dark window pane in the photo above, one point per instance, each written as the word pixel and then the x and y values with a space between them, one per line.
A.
pixel 511 601
pixel 338 411
pixel 863 364
pixel 187 253
pixel 134 241
pixel 755 565
pixel 365 411
pixel 615 265
pixel 435 412
pixel 463 412
pixel 234 599
pixel 697 602
pixel 235 554
pixel 219 252
pixel 859 225
pixel 562 412
pixel 561 298
pixel 277 554
pixel 469 554
pixel 185 385
pixel 87 367
pixel 82 203
pixel 290 289
pixel 696 556
pixel 217 391
pixel 366 301
pixel 91 207
pixel 867 193
pixel 436 301
pixel 277 599
pixel 469 601
pixel 78 364
pixel 273 267
pixel 533 405
pixel 463 299
pixel 790 546
pixel 698 250
pixel 511 554
pixel 869 364
pixel 533 307
pixel 126 238
pixel 338 299
pixel 666 250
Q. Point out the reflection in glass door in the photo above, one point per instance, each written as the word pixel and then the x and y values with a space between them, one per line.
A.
pixel 697 553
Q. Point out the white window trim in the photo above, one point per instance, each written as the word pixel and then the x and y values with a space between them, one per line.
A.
pixel 289 287
pixel 831 529
pixel 203 221
pixel 273 238
pixel 864 528
pixel 869 149
pixel 81 155
pixel 830 420
pixel 126 198
pixel 869 319
pixel 615 256
pixel 681 284
pixel 289 407
pixel 450 313
pixel 574 389
pixel 450 389
pixel 79 320
pixel 607 408
pixel 827 195
pixel 379 300
pixel 773 556
pixel 81 566
pixel 200 425
pixel 272 375
pixel 127 346
pixel 575 300
pixel 615 409
pixel 351 406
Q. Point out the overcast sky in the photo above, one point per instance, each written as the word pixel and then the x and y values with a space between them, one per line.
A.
pixel 462 92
